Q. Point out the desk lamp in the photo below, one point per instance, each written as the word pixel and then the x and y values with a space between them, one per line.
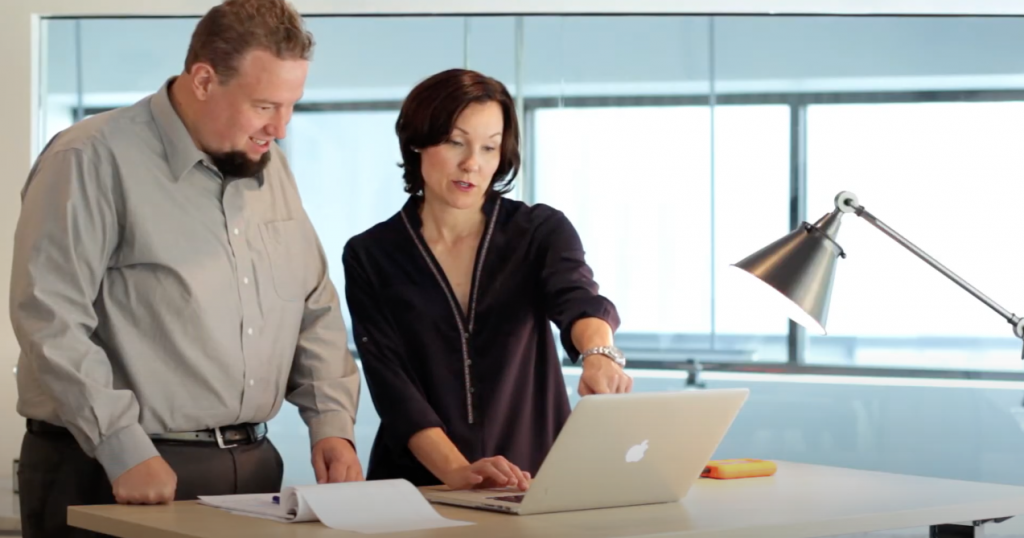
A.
pixel 801 265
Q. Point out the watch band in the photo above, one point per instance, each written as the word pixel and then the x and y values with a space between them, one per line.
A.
pixel 611 352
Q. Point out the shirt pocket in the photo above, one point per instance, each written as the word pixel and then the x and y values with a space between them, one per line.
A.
pixel 288 255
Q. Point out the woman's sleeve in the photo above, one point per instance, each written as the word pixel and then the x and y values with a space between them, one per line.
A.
pixel 399 400
pixel 570 292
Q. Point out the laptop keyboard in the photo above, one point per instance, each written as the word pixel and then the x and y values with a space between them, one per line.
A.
pixel 509 498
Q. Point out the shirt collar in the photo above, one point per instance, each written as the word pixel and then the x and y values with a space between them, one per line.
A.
pixel 182 153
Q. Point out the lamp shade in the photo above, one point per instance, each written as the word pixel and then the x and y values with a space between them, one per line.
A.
pixel 798 270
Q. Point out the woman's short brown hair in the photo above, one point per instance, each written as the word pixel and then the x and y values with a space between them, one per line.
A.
pixel 428 116
pixel 235 27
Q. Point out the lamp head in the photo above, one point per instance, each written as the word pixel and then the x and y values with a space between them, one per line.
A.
pixel 797 270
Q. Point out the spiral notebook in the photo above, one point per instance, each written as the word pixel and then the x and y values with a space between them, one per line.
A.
pixel 370 507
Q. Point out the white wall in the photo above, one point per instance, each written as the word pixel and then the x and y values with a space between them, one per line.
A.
pixel 16 150
pixel 20 66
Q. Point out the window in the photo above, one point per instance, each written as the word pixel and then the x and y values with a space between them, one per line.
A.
pixel 947 177
pixel 348 176
pixel 666 191
pixel 922 120
pixel 636 181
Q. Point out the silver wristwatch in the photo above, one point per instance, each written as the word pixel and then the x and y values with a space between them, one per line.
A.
pixel 611 352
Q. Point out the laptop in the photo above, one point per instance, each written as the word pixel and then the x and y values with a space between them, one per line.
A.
pixel 618 450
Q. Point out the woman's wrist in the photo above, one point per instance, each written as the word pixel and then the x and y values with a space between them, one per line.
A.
pixel 589 333
pixel 437 453
pixel 452 464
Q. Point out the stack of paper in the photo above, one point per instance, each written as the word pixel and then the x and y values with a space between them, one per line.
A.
pixel 375 506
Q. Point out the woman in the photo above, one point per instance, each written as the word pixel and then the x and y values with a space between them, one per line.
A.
pixel 451 300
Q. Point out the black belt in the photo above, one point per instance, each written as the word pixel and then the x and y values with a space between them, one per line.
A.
pixel 223 436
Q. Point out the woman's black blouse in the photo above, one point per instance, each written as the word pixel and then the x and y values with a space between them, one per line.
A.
pixel 490 378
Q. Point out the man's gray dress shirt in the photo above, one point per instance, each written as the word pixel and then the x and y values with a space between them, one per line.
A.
pixel 150 294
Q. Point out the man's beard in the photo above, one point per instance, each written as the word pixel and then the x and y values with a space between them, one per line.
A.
pixel 236 163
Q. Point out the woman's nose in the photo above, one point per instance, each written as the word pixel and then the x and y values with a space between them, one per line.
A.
pixel 470 164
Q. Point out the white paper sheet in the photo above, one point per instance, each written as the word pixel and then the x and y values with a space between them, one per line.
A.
pixel 263 505
pixel 370 507
pixel 373 506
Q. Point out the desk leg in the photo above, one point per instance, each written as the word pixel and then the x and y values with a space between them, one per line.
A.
pixel 974 530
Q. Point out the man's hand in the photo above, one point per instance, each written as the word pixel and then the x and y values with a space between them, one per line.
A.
pixel 335 460
pixel 150 482
pixel 602 375
pixel 496 472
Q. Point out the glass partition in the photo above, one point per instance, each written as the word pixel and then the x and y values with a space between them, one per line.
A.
pixel 678 145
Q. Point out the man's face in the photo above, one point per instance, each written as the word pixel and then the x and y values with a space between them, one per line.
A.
pixel 240 118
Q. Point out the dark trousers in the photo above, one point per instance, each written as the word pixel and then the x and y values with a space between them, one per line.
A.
pixel 54 473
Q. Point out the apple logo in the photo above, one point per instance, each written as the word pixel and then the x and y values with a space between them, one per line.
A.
pixel 636 452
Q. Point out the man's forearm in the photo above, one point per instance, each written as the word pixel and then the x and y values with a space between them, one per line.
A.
pixel 331 424
pixel 324 381
pixel 326 391
pixel 325 387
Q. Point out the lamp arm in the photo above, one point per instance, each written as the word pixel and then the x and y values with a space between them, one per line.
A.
pixel 847 203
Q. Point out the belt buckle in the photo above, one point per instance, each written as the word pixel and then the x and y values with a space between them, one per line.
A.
pixel 220 438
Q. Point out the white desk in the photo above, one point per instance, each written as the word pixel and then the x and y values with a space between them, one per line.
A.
pixel 799 501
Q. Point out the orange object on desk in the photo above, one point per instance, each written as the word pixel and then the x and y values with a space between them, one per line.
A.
pixel 738 468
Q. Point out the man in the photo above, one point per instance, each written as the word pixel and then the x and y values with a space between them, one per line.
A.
pixel 168 289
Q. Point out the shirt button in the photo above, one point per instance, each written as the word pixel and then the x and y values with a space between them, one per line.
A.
pixel 236 231
pixel 252 382
pixel 250 330
pixel 245 280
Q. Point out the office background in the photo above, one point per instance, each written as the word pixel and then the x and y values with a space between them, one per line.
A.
pixel 678 144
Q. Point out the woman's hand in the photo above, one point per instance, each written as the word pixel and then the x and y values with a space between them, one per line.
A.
pixel 437 453
pixel 601 375
pixel 494 472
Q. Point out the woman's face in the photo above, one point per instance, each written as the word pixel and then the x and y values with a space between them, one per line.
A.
pixel 458 172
